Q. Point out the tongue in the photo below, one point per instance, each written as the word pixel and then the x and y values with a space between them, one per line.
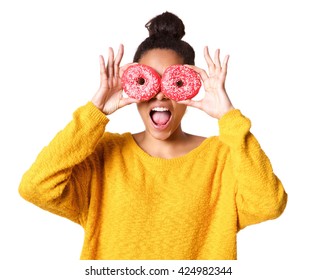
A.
pixel 161 118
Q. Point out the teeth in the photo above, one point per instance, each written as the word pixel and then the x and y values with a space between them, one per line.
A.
pixel 160 109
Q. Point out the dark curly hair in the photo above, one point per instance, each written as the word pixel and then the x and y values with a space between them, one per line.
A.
pixel 166 32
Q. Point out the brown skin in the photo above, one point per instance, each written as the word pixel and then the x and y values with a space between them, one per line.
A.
pixel 168 141
pixel 171 141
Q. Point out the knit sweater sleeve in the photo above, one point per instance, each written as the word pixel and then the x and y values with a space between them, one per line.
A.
pixel 260 194
pixel 58 180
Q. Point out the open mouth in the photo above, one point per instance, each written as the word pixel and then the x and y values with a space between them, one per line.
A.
pixel 160 116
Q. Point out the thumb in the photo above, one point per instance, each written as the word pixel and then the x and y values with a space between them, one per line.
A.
pixel 191 103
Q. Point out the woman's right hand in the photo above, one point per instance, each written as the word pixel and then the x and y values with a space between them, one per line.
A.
pixel 109 96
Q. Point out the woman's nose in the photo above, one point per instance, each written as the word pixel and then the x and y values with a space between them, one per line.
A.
pixel 160 96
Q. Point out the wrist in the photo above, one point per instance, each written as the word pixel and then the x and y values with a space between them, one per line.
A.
pixel 225 111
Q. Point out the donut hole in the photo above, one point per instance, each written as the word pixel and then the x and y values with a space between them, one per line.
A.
pixel 179 83
pixel 141 81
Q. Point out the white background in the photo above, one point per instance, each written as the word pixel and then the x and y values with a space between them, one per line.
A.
pixel 49 66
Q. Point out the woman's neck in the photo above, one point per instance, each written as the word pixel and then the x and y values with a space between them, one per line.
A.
pixel 178 144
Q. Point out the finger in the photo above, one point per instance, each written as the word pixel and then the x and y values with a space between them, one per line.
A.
pixel 210 63
pixel 207 57
pixel 110 64
pixel 117 61
pixel 217 58
pixel 125 67
pixel 225 64
pixel 191 103
pixel 202 73
pixel 127 101
pixel 103 72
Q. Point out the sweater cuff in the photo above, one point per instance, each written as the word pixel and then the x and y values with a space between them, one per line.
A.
pixel 92 113
pixel 233 126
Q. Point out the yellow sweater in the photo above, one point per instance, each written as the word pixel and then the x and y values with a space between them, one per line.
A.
pixel 134 206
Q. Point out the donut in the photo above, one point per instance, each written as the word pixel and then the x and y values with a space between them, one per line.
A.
pixel 180 82
pixel 141 82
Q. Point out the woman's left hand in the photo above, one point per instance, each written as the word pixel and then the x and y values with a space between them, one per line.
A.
pixel 216 102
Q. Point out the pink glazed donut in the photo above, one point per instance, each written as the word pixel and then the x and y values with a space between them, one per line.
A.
pixel 141 82
pixel 180 82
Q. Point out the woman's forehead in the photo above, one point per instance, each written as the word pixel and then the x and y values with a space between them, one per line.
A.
pixel 160 59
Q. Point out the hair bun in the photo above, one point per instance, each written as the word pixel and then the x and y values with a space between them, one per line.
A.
pixel 166 24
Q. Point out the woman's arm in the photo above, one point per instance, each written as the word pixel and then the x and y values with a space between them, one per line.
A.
pixel 259 193
pixel 58 181
pixel 60 178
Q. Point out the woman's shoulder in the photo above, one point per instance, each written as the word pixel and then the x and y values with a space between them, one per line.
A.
pixel 208 144
pixel 111 138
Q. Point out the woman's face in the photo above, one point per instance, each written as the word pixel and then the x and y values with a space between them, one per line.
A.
pixel 161 116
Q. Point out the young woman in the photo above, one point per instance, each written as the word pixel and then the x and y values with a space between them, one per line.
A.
pixel 161 193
